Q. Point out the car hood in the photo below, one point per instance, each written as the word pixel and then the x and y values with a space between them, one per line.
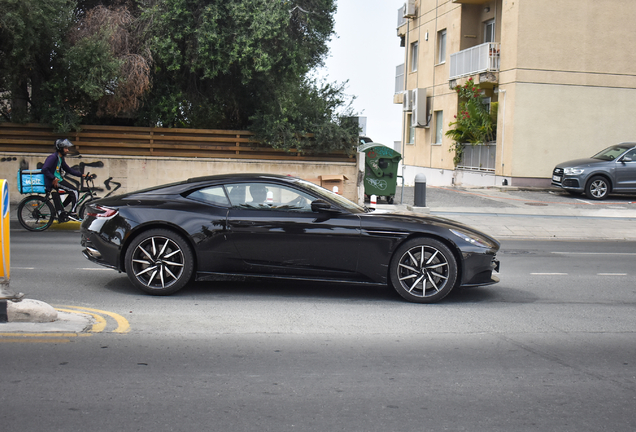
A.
pixel 581 163
pixel 405 217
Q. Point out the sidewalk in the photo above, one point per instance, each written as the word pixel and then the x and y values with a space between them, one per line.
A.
pixel 513 213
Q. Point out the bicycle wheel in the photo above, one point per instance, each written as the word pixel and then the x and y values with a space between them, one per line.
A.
pixel 81 210
pixel 35 213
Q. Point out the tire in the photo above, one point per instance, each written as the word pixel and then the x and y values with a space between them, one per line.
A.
pixel 597 188
pixel 35 213
pixel 159 262
pixel 81 211
pixel 426 280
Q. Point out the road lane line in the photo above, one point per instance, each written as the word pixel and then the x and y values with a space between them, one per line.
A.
pixel 611 274
pixel 95 269
pixel 25 340
pixel 98 327
pixel 595 253
pixel 549 274
pixel 122 323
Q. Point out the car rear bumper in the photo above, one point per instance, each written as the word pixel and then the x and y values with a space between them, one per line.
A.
pixel 92 253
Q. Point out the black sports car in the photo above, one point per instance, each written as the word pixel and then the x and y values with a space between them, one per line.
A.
pixel 280 227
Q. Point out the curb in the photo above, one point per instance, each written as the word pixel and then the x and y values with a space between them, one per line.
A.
pixel 66 226
pixel 26 310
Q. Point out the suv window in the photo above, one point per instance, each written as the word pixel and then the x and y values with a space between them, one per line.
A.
pixel 631 154
pixel 611 153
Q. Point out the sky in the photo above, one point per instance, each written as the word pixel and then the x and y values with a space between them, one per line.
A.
pixel 365 51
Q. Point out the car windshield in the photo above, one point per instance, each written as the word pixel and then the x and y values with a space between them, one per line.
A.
pixel 334 197
pixel 612 152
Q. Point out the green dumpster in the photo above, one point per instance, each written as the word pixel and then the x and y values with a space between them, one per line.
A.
pixel 380 170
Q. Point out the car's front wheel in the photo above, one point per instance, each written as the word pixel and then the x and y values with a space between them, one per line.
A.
pixel 423 270
pixel 597 188
pixel 159 262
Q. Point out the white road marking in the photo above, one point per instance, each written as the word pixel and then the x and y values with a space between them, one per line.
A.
pixel 595 253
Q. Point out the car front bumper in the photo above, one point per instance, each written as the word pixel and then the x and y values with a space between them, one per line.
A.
pixel 574 183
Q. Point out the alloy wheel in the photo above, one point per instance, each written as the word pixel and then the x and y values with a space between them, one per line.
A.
pixel 423 271
pixel 158 262
pixel 598 188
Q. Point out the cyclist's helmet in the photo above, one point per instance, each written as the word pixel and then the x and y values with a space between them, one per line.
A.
pixel 61 144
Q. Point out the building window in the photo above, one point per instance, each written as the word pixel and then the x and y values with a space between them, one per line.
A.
pixel 439 126
pixel 414 57
pixel 441 46
pixel 489 31
pixel 410 131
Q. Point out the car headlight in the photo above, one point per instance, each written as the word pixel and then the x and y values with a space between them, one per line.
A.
pixel 473 238
pixel 573 171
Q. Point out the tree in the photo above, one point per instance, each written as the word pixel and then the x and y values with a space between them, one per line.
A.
pixel 244 65
pixel 61 64
pixel 240 64
pixel 474 124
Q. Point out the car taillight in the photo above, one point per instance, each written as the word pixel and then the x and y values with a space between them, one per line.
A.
pixel 100 211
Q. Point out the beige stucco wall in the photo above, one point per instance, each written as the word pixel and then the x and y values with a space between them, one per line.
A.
pixel 568 71
pixel 555 123
pixel 567 79
pixel 134 173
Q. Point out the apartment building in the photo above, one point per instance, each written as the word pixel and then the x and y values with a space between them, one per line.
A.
pixel 561 75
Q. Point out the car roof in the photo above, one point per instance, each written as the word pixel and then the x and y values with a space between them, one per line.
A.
pixel 242 177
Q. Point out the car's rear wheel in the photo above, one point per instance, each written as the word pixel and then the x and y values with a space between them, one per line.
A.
pixel 159 262
pixel 423 270
pixel 597 188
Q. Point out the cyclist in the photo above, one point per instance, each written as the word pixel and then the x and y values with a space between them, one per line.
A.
pixel 52 169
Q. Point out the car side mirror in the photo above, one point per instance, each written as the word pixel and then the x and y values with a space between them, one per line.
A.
pixel 322 206
pixel 626 159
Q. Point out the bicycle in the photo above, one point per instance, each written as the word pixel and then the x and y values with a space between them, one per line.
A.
pixel 37 212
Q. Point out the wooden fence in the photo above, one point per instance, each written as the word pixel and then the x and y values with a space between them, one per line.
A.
pixel 152 141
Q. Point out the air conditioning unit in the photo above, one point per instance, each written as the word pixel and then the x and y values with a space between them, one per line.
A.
pixel 409 9
pixel 420 116
pixel 407 102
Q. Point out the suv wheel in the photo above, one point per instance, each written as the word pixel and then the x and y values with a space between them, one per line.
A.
pixel 597 188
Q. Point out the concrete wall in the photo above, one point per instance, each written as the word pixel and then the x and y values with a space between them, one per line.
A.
pixel 128 173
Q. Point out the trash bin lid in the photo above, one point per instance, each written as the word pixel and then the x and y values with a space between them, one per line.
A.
pixel 379 150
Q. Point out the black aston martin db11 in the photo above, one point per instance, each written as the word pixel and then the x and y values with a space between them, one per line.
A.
pixel 274 226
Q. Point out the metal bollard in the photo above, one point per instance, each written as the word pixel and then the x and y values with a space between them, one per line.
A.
pixel 420 190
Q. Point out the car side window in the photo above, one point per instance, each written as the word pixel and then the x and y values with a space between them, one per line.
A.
pixel 211 195
pixel 268 196
pixel 631 154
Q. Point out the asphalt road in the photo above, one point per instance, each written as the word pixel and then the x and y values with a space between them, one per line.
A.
pixel 551 347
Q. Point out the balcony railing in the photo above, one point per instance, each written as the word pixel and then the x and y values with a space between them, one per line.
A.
pixel 478 59
pixel 480 157
pixel 399 78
